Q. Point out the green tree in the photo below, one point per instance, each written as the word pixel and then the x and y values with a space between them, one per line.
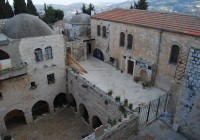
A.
pixel 31 8
pixel 141 4
pixel 90 8
pixel 131 7
pixel 2 9
pixel 19 7
pixel 59 14
pixel 84 10
pixel 9 10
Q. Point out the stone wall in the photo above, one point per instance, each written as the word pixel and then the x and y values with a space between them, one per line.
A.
pixel 188 108
pixel 17 93
pixel 93 98
pixel 2 23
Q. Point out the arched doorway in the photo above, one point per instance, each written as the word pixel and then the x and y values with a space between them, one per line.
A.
pixel 96 122
pixel 143 75
pixel 60 100
pixel 14 118
pixel 83 112
pixel 72 101
pixel 98 54
pixel 39 108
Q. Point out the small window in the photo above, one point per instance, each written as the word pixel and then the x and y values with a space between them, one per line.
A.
pixel 174 54
pixel 98 30
pixel 130 42
pixel 49 54
pixel 1 96
pixel 38 55
pixel 33 85
pixel 104 31
pixel 112 60
pixel 122 39
pixel 51 78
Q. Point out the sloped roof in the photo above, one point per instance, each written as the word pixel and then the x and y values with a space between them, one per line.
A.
pixel 167 21
pixel 81 18
pixel 25 25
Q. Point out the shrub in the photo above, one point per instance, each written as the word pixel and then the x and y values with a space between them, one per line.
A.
pixel 126 102
pixel 122 108
pixel 110 92
pixel 130 106
pixel 117 98
pixel 125 115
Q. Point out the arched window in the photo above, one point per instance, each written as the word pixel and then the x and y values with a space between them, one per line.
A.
pixel 130 42
pixel 104 31
pixel 174 54
pixel 98 30
pixel 3 55
pixel 122 39
pixel 38 55
pixel 49 54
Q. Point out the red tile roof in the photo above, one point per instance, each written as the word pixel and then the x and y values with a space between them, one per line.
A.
pixel 167 21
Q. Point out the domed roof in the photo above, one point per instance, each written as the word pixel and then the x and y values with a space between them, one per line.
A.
pixel 25 25
pixel 80 19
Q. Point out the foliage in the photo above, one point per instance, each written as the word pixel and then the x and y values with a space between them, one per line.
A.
pixel 112 122
pixel 125 115
pixel 122 108
pixel 146 84
pixel 8 137
pixel 110 92
pixel 130 106
pixel 117 98
pixel 19 6
pixel 31 8
pixel 87 10
pixel 126 102
pixel 131 7
pixel 141 4
pixel 9 10
pixel 2 9
pixel 52 15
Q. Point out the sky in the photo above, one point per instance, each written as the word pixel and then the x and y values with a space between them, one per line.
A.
pixel 67 2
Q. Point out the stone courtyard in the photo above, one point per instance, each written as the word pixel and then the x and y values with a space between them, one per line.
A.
pixel 63 125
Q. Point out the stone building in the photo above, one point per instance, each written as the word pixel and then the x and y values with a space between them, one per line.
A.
pixel 32 71
pixel 154 46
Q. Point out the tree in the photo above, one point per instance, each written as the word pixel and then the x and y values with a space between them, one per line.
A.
pixel 2 9
pixel 87 10
pixel 9 10
pixel 141 4
pixel 84 10
pixel 31 8
pixel 131 7
pixel 59 14
pixel 19 6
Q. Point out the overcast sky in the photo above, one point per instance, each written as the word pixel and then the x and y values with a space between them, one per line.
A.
pixel 66 2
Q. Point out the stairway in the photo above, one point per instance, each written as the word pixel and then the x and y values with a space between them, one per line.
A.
pixel 181 66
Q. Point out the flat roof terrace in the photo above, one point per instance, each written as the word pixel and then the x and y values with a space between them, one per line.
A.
pixel 106 77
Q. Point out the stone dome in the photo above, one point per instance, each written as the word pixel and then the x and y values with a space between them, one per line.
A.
pixel 80 19
pixel 25 25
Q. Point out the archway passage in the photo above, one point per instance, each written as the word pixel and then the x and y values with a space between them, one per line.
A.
pixel 143 75
pixel 3 55
pixel 96 122
pixel 39 108
pixel 14 119
pixel 60 100
pixel 98 54
pixel 83 112
pixel 72 101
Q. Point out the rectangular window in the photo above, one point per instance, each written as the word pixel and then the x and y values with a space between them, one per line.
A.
pixel 51 78
pixel 33 85
pixel 49 54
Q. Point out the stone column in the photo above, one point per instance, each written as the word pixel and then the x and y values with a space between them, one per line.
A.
pixel 51 109
pixel 3 128
pixel 29 118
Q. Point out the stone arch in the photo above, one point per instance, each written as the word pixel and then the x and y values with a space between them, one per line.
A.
pixel 60 100
pixel 83 112
pixel 104 31
pixel 122 39
pixel 96 122
pixel 130 41
pixel 40 108
pixel 144 75
pixel 4 55
pixel 14 118
pixel 72 101
pixel 98 54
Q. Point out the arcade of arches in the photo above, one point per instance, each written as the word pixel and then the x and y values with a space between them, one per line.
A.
pixel 83 112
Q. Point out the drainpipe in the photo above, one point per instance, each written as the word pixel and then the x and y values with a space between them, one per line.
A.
pixel 157 58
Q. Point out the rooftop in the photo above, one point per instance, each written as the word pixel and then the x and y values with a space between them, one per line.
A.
pixel 107 77
pixel 179 23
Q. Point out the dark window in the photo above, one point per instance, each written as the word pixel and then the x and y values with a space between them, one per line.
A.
pixel 33 85
pixel 112 59
pixel 38 55
pixel 104 31
pixel 49 54
pixel 130 42
pixel 3 55
pixel 1 96
pixel 98 30
pixel 174 54
pixel 122 39
pixel 51 78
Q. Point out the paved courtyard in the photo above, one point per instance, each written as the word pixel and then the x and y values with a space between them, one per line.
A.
pixel 64 125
